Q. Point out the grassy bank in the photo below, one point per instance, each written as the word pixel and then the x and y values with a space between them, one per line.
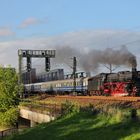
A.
pixel 86 125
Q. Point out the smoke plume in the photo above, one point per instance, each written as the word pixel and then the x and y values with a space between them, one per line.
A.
pixel 90 60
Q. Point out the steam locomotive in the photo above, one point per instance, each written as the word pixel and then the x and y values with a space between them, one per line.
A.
pixel 124 83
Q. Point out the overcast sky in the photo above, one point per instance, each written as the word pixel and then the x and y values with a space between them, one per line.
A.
pixel 78 24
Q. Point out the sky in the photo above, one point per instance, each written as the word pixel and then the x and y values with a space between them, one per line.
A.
pixel 79 24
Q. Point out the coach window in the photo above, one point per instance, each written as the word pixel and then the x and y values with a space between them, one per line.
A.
pixel 84 83
pixel 42 86
pixel 57 84
pixel 69 84
pixel 62 84
pixel 45 85
pixel 78 83
pixel 66 84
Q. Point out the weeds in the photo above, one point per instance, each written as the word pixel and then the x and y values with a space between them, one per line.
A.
pixel 112 112
pixel 69 108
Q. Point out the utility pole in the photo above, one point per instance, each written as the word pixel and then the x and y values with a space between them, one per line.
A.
pixel 82 86
pixel 29 71
pixel 20 80
pixel 110 67
pixel 74 73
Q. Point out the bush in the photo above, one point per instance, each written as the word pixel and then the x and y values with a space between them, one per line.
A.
pixel 69 108
pixel 116 113
pixel 9 118
pixel 90 109
pixel 112 112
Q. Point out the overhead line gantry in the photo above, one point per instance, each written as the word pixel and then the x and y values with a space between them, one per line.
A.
pixel 47 54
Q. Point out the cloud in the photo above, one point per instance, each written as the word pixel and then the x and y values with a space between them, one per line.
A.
pixel 30 22
pixel 5 31
pixel 81 41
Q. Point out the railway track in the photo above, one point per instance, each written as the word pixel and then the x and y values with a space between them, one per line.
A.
pixel 109 98
pixel 124 102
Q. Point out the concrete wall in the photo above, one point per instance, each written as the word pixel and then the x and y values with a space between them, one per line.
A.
pixel 35 117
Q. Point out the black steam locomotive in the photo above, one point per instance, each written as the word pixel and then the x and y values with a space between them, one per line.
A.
pixel 124 83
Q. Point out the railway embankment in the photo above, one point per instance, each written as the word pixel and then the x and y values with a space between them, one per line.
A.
pixel 88 122
pixel 123 102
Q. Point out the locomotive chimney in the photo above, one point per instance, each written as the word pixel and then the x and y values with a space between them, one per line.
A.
pixel 133 62
pixel 134 73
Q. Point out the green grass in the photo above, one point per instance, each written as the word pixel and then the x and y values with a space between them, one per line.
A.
pixel 83 126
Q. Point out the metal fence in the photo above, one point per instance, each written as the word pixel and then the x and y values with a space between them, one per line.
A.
pixel 11 131
pixel 8 132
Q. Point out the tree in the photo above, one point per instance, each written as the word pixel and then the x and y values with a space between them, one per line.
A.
pixel 8 96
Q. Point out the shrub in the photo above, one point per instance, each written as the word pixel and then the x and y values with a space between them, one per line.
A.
pixel 90 109
pixel 69 108
pixel 9 118
pixel 112 112
pixel 116 113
